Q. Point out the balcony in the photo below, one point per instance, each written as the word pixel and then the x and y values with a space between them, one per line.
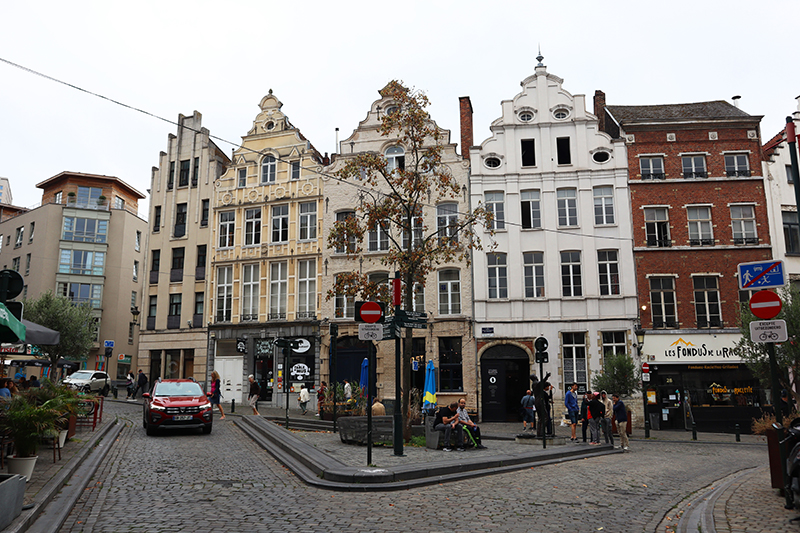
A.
pixel 701 242
pixel 173 322
pixel 307 315
pixel 659 243
pixel 277 316
pixel 97 205
pixel 654 176
pixel 250 317
pixel 199 273
pixel 223 316
pixel 691 175
pixel 745 240
pixel 703 322
pixel 175 274
pixel 738 173
pixel 665 324
pixel 151 323
pixel 197 321
pixel 153 277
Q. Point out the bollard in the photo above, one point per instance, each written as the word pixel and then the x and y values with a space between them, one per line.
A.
pixel 115 392
pixel 544 441
pixel 233 405
pixel 694 431
pixel 738 434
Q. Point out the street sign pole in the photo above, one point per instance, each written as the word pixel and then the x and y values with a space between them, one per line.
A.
pixel 398 413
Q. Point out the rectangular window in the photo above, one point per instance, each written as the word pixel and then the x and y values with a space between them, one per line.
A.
pixel 737 165
pixel 268 167
pixel 789 177
pixel 204 212
pixel 700 233
pixel 307 288
pixel 280 223
pixel 171 179
pixel 295 170
pixel 447 223
pixel 250 292
pixel 563 151
pixel 180 220
pixel 652 168
pixel 82 262
pixel 20 237
pixel 59 197
pixel 89 196
pixel 178 257
pixel 199 302
pixel 743 224
pixel 308 221
pixel 242 177
pixel 252 227
pixel 195 171
pixel 32 229
pixel 227 226
pixel 662 302
pixel 84 230
pixel 603 205
pixel 498 275
pixel 138 243
pixel 573 348
pixel 119 202
pixel 183 179
pixel 136 271
pixel 201 255
pixel 15 264
pixel 449 292
pixel 615 342
pixel 133 299
pixel 155 263
pixel 419 297
pixel 531 209
pixel 567 207
pixel 152 306
pixel 175 304
pixel 608 267
pixel 277 291
pixel 350 240
pixel 791 232
pixel 344 305
pixel 224 293
pixel 157 219
pixel 694 166
pixel 528 152
pixel 494 204
pixel 27 264
pixel 416 232
pixel 378 237
pixel 706 302
pixel 82 293
pixel 450 370
pixel 533 264
pixel 571 284
pixel 656 227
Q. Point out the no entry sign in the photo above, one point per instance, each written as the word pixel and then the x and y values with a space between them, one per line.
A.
pixel 765 304
pixel 369 312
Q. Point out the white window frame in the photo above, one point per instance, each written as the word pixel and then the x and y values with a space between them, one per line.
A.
pixel 531 205
pixel 449 291
pixel 533 274
pixel 497 274
pixel 694 166
pixel 242 177
pixel 251 282
pixel 661 310
pixel 743 224
pixel 280 223
pixel 700 226
pixel 307 288
pixel 252 227
pixel 278 290
pixel 308 221
pixel 603 205
pixel 395 158
pixel 342 216
pixel 571 276
pixel 567 202
pixel 344 306
pixel 608 269
pixel 378 237
pixel 447 222
pixel 269 166
pixel 227 228
pixel 294 170
pixel 495 205
pixel 737 164
pixel 652 167
pixel 573 355
pixel 224 299
pixel 705 307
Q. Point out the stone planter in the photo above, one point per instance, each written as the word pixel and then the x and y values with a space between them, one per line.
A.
pixel 12 494
pixel 62 438
pixel 21 465
pixel 353 429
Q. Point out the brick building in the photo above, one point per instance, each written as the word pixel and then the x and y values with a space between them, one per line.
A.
pixel 698 209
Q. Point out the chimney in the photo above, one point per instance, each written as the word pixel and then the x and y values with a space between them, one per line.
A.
pixel 736 101
pixel 465 107
pixel 600 109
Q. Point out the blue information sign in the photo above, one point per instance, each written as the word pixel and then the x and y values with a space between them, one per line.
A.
pixel 762 275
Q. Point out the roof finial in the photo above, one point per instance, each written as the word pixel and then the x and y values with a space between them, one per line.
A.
pixel 270 91
pixel 540 57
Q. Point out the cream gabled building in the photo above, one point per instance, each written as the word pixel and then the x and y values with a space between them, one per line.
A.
pixel 265 259
pixel 174 311
pixel 446 296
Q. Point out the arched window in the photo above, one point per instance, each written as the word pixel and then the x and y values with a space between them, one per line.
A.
pixel 395 158
pixel 268 166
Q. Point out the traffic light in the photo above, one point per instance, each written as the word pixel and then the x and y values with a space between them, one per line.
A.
pixel 540 344
pixel 109 352
pixel 542 357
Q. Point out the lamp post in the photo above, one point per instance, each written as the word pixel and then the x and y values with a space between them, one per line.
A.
pixel 135 314
pixel 639 344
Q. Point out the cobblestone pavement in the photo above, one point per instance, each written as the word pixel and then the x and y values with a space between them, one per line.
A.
pixel 224 482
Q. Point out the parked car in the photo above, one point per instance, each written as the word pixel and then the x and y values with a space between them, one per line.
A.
pixel 176 404
pixel 89 381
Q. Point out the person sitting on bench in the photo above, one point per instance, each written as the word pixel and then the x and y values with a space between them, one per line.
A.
pixel 447 420
pixel 472 429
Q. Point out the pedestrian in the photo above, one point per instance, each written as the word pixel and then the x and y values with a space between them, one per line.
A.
pixel 216 393
pixel 542 408
pixel 303 399
pixel 141 384
pixel 571 403
pixel 255 391
pixel 621 415
pixel 348 391
pixel 321 397
pixel 378 409
pixel 130 382
pixel 527 410
pixel 34 383
pixel 596 409
pixel 446 420
pixel 585 413
pixel 608 412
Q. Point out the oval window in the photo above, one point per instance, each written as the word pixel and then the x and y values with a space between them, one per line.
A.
pixel 270 125
pixel 526 116
pixel 561 114
pixel 391 110
pixel 492 162
pixel 601 157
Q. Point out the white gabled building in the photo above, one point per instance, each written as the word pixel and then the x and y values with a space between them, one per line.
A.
pixel 563 266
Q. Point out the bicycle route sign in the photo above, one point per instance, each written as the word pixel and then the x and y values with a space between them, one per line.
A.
pixel 768 331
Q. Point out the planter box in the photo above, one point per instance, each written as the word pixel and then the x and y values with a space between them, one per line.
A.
pixel 353 429
pixel 12 493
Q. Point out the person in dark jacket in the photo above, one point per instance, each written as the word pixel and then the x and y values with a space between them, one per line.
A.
pixel 585 413
pixel 621 416
pixel 571 403
pixel 596 410
pixel 141 384
pixel 446 420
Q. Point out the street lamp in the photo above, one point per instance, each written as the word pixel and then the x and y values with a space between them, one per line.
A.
pixel 639 345
pixel 135 314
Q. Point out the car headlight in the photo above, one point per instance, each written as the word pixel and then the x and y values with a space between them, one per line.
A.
pixel 157 408
pixel 205 406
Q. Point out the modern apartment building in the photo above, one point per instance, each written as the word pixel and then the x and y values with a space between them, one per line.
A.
pixel 85 242
pixel 265 259
pixel 173 311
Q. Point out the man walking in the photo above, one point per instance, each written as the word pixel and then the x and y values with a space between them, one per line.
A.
pixel 141 384
pixel 571 403
pixel 348 391
pixel 621 414
pixel 527 410
pixel 608 434
pixel 596 411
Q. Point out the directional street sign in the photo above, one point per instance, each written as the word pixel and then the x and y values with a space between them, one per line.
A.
pixel 761 275
pixel 765 304
pixel 413 325
pixel 370 332
pixel 769 331
pixel 108 344
pixel 410 314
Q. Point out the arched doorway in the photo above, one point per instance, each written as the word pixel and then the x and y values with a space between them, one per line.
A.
pixel 505 373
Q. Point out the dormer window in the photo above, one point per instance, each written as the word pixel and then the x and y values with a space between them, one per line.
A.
pixel 268 167
pixel 395 158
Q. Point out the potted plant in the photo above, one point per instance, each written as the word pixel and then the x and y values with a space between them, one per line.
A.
pixel 101 200
pixel 66 401
pixel 26 422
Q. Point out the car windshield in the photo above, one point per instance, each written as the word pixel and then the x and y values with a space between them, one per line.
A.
pixel 185 388
pixel 81 374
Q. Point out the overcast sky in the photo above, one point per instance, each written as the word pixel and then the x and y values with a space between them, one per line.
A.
pixel 326 61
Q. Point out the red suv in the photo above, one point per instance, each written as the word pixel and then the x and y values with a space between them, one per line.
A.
pixel 175 404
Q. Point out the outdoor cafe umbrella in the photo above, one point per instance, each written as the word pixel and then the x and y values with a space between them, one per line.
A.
pixel 38 334
pixel 364 374
pixel 11 329
pixel 429 391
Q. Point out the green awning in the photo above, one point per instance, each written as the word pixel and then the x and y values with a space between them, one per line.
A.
pixel 11 329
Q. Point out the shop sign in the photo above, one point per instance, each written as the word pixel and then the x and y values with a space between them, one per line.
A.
pixel 692 348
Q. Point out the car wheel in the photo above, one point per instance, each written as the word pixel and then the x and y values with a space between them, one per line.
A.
pixel 151 429
pixel 105 391
pixel 207 429
pixel 144 419
pixel 87 389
